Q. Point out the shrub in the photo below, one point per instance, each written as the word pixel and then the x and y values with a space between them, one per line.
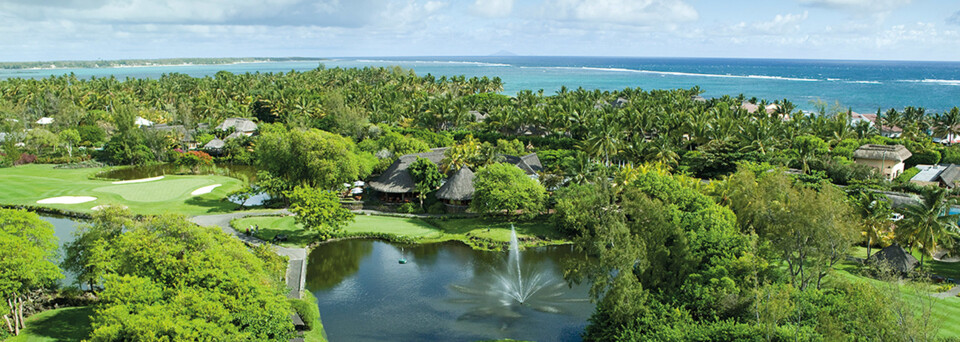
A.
pixel 927 157
pixel 26 158
pixel 307 308
pixel 437 208
pixel 408 208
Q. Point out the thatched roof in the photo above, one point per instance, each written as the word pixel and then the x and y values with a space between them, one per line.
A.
pixel 896 257
pixel 459 187
pixel 214 144
pixel 478 116
pixel 234 135
pixel 950 176
pixel 530 164
pixel 396 179
pixel 698 98
pixel 238 124
pixel 882 152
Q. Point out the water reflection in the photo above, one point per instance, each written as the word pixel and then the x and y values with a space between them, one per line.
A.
pixel 442 293
pixel 63 228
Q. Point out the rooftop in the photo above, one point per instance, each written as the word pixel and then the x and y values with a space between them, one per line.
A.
pixel 882 152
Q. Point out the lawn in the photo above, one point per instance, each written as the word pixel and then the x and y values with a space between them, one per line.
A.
pixel 427 230
pixel 66 324
pixel 947 310
pixel 944 269
pixel 25 185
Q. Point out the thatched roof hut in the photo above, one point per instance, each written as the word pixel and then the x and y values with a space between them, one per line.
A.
pixel 396 179
pixel 214 144
pixel 238 124
pixel 530 164
pixel 897 153
pixel 950 176
pixel 896 257
pixel 459 187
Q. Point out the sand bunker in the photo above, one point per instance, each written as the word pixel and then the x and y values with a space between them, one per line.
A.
pixel 105 206
pixel 139 180
pixel 204 190
pixel 67 200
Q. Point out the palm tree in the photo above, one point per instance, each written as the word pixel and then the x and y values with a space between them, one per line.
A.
pixel 927 224
pixel 875 212
pixel 948 125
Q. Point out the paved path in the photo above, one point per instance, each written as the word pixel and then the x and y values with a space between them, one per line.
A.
pixel 296 269
pixel 951 293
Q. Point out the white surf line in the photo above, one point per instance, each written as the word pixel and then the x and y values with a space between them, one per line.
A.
pixel 204 190
pixel 67 200
pixel 139 180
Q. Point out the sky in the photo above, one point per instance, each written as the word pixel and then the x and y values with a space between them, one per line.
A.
pixel 32 30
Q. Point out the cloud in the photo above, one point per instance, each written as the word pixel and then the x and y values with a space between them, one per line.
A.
pixel 635 12
pixel 492 8
pixel 869 6
pixel 324 13
pixel 954 19
pixel 782 23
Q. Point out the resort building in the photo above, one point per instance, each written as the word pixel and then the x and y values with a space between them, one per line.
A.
pixel 945 176
pixel 45 121
pixel 896 258
pixel 886 158
pixel 239 126
pixel 889 132
pixel 140 122
pixel 396 185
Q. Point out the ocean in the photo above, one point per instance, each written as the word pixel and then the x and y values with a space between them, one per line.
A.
pixel 863 86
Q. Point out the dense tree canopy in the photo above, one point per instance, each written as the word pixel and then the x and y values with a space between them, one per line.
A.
pixel 504 188
pixel 311 157
pixel 27 255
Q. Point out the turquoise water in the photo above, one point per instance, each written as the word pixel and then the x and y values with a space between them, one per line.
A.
pixel 862 85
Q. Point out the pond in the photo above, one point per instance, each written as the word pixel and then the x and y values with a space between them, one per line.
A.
pixel 445 291
pixel 247 172
pixel 63 228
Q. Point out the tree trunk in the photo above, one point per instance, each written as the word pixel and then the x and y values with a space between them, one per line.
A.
pixel 869 244
pixel 921 259
pixel 9 325
pixel 20 312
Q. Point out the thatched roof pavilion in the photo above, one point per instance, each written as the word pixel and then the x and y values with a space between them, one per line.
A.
pixel 458 187
pixel 896 257
pixel 897 153
pixel 396 179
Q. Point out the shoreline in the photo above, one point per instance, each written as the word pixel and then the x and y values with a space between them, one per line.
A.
pixel 55 67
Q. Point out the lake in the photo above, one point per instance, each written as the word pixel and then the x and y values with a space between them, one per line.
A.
pixel 445 291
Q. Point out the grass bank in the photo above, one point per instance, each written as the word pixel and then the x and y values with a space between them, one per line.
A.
pixel 946 310
pixel 476 232
pixel 62 325
pixel 27 184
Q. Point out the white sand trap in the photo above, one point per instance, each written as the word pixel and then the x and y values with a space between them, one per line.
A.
pixel 105 206
pixel 67 200
pixel 142 180
pixel 204 190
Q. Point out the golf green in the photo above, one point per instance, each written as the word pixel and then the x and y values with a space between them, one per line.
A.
pixel 27 184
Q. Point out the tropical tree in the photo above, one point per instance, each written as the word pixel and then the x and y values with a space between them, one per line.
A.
pixel 426 176
pixel 927 225
pixel 319 210
pixel 27 253
pixel 504 188
pixel 875 211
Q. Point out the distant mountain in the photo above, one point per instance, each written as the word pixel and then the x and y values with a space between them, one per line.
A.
pixel 504 53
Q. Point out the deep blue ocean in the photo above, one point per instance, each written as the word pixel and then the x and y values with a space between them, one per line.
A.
pixel 863 86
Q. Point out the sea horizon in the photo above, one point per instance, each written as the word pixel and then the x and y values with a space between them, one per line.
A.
pixel 861 85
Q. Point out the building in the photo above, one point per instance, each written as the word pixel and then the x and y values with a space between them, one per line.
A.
pixel 395 184
pixel 45 121
pixel 889 132
pixel 896 258
pixel 238 125
pixel 944 176
pixel 140 122
pixel 888 159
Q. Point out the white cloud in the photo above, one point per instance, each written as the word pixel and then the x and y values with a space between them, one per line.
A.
pixel 782 23
pixel 635 12
pixel 870 6
pixel 492 8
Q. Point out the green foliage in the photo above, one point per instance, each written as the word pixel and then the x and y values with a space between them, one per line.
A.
pixel 437 208
pixel 907 175
pixel 170 279
pixel 27 252
pixel 310 157
pixel 391 145
pixel 91 134
pixel 426 176
pixel 319 210
pixel 87 256
pixel 925 157
pixel 409 208
pixel 127 149
pixel 504 188
pixel 308 310
pixel 951 155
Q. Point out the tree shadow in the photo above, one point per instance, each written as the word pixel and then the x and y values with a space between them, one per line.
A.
pixel 69 324
pixel 212 205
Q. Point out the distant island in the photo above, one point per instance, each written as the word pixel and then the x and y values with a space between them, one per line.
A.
pixel 146 62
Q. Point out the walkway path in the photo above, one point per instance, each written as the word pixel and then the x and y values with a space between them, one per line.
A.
pixel 296 269
pixel 951 293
